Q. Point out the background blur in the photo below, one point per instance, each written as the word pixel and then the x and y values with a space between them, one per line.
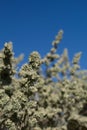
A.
pixel 32 25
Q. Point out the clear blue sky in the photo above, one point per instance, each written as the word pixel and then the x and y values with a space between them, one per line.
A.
pixel 32 25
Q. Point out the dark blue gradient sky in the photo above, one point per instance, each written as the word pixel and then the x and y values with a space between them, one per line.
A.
pixel 32 25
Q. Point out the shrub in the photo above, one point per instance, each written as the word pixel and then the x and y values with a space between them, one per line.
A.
pixel 53 97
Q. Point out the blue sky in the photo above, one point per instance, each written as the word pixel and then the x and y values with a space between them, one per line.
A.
pixel 32 25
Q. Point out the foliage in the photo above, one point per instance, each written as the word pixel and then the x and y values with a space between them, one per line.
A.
pixel 37 98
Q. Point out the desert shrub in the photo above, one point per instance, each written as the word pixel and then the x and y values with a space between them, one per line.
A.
pixel 53 97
